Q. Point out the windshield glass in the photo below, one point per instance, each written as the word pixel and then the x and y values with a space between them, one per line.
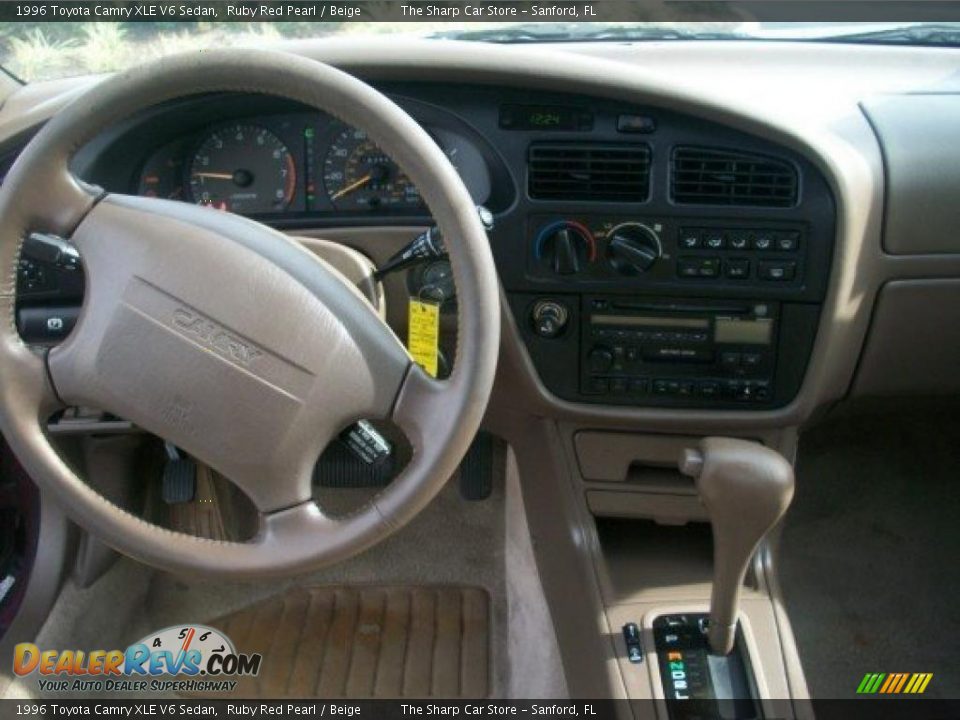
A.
pixel 47 50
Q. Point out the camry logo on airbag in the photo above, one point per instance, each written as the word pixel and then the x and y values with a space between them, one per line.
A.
pixel 214 336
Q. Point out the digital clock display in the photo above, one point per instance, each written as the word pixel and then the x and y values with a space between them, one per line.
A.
pixel 545 117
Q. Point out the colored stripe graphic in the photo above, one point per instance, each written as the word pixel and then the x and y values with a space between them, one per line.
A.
pixel 894 683
pixel 893 677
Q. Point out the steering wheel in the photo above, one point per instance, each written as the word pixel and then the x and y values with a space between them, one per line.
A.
pixel 228 339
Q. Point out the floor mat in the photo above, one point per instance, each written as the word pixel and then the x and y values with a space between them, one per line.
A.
pixel 365 642
pixel 868 559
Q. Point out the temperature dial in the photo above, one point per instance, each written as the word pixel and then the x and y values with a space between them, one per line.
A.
pixel 632 248
pixel 564 247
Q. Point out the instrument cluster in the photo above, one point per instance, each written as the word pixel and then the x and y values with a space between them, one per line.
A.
pixel 298 164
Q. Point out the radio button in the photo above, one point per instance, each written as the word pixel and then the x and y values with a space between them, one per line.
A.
pixel 708 388
pixel 618 355
pixel 618 385
pixel 762 390
pixel 730 360
pixel 732 389
pixel 600 360
pixel 737 269
pixel 738 240
pixel 752 361
pixel 666 387
pixel 639 386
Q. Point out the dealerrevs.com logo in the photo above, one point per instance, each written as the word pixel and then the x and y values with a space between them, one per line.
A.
pixel 191 658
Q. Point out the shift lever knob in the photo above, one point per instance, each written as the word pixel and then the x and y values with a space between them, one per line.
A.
pixel 746 488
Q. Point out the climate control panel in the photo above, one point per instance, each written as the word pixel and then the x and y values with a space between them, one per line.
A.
pixel 666 252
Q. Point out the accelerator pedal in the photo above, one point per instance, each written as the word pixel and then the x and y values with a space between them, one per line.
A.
pixel 179 477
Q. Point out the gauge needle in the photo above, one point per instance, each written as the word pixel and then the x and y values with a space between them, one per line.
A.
pixel 352 186
pixel 215 176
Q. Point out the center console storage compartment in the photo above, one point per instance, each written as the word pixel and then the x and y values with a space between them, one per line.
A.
pixel 635 476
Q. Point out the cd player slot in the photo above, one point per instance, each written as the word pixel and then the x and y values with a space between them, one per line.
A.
pixel 684 309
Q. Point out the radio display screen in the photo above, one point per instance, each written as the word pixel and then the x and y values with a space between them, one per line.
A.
pixel 746 332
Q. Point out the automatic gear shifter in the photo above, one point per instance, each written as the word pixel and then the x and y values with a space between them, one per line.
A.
pixel 746 488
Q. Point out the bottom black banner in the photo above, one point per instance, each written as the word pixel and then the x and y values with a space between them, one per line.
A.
pixel 853 709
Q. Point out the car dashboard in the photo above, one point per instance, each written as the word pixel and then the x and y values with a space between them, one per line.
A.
pixel 649 258
pixel 660 250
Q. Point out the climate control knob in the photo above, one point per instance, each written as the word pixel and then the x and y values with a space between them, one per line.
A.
pixel 632 248
pixel 565 247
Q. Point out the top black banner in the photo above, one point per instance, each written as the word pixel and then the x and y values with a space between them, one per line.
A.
pixel 480 11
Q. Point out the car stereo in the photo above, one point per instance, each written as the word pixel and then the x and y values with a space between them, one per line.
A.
pixel 719 351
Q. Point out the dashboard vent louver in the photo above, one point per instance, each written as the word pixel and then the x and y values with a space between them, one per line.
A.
pixel 704 176
pixel 594 171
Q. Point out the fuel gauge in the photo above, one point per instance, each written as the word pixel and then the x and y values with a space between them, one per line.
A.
pixel 162 174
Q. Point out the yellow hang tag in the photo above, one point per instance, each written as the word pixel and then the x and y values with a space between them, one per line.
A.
pixel 423 338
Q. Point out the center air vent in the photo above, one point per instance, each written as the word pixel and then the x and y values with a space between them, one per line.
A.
pixel 701 176
pixel 567 171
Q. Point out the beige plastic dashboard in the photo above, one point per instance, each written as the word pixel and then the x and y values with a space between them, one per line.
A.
pixel 805 96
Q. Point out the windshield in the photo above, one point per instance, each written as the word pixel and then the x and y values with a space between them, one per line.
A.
pixel 34 51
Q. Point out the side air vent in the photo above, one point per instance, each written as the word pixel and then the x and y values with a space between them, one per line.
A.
pixel 567 171
pixel 702 176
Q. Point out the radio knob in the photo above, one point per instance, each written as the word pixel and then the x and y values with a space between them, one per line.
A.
pixel 600 360
pixel 565 247
pixel 549 318
pixel 632 248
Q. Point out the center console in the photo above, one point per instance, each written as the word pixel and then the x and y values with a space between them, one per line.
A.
pixel 667 263
pixel 672 312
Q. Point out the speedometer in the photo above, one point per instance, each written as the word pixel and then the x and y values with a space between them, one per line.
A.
pixel 243 169
pixel 357 175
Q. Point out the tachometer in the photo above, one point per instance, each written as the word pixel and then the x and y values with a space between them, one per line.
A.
pixel 357 175
pixel 243 169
